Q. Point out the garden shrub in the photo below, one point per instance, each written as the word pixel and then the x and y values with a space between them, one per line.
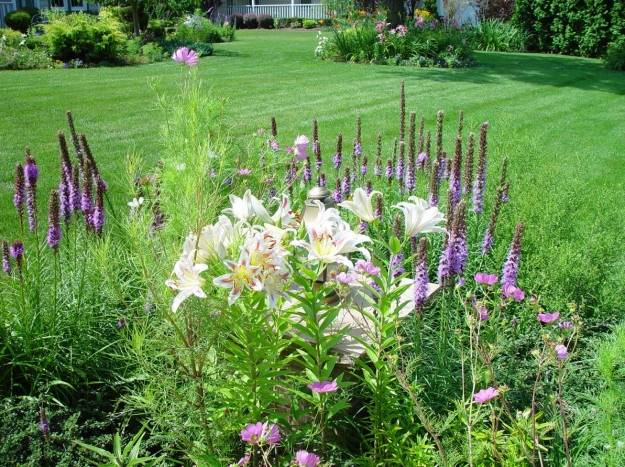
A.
pixel 281 23
pixel 296 23
pixel 574 28
pixel 20 20
pixel 236 20
pixel 309 24
pixel 197 29
pixel 157 28
pixel 204 49
pixel 615 55
pixel 265 21
pixel 153 52
pixel 250 21
pixel 123 15
pixel 11 37
pixel 85 37
pixel 23 58
pixel 494 35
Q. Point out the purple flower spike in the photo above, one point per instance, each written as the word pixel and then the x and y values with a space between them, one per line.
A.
pixel 97 220
pixel 306 459
pixel 17 253
pixel 54 225
pixel 186 56
pixel 337 195
pixel 389 170
pixel 307 171
pixel 20 191
pixel 31 174
pixel 397 265
pixel 322 387
pixel 511 266
pixel 6 262
pixel 421 275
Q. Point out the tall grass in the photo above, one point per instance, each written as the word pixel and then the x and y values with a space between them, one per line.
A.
pixel 494 35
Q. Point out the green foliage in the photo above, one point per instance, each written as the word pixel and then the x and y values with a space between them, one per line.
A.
pixel 309 24
pixel 265 21
pixel 23 58
pixel 196 29
pixel 496 36
pixel 10 37
pixel 153 52
pixel 570 27
pixel 20 20
pixel 615 55
pixel 85 37
pixel 126 456
pixel 250 21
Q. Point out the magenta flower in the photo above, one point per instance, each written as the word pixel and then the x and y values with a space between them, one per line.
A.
pixel 260 433
pixel 485 278
pixel 306 459
pixel 547 318
pixel 482 313
pixel 245 460
pixel 321 387
pixel 514 292
pixel 186 56
pixel 346 278
pixel 561 352
pixel 367 267
pixel 301 147
pixel 485 395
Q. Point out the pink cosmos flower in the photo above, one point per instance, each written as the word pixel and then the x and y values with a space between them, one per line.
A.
pixel 306 459
pixel 367 267
pixel 301 147
pixel 514 293
pixel 485 278
pixel 245 172
pixel 346 278
pixel 482 313
pixel 321 387
pixel 546 318
pixel 485 395
pixel 186 56
pixel 260 433
pixel 561 352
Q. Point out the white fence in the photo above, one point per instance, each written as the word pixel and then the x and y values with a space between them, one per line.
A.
pixel 5 7
pixel 294 10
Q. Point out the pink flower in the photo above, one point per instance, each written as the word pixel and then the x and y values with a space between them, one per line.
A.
pixel 260 433
pixel 245 460
pixel 367 267
pixel 512 291
pixel 561 352
pixel 321 387
pixel 485 278
pixel 306 459
pixel 482 313
pixel 186 56
pixel 565 325
pixel 380 26
pixel 546 318
pixel 400 30
pixel 245 172
pixel 485 395
pixel 346 278
pixel 301 147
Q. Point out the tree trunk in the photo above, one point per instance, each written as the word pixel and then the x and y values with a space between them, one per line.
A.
pixel 396 12
pixel 135 18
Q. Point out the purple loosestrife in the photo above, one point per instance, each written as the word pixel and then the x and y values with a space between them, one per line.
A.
pixel 421 275
pixel 358 139
pixel 19 193
pixel 337 195
pixel 321 180
pixel 434 184
pixel 411 179
pixel 402 111
pixel 17 253
pixel 377 168
pixel 468 165
pixel 86 201
pixel 378 207
pixel 75 141
pixel 363 166
pixel 480 181
pixel 346 184
pixel 98 211
pixel 307 171
pixel 337 160
pixel 444 262
pixel 369 187
pixel 389 171
pixel 455 180
pixel 412 129
pixel 31 174
pixel 459 240
pixel 400 169
pixel 65 183
pixel 54 222
pixel 6 261
pixel 362 227
pixel 511 266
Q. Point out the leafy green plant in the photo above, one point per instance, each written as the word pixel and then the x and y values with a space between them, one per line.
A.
pixel 197 29
pixel 126 456
pixel 496 36
pixel 19 20
pixel 309 24
pixel 615 55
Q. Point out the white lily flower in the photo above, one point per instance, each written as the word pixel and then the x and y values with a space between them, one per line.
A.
pixel 361 205
pixel 135 203
pixel 215 239
pixel 247 207
pixel 420 218
pixel 242 274
pixel 284 217
pixel 188 282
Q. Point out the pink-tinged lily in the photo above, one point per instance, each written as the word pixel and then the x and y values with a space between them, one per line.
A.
pixel 419 217
pixel 186 56
pixel 214 241
pixel 284 216
pixel 188 281
pixel 247 207
pixel 361 205
pixel 242 275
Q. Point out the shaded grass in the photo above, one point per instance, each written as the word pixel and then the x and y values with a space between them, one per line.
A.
pixel 558 119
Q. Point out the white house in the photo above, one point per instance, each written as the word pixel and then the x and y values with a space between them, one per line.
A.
pixel 312 9
pixel 68 5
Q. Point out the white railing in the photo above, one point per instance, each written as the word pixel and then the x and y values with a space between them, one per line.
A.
pixel 5 7
pixel 309 11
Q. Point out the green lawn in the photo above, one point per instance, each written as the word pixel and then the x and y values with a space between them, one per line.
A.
pixel 561 120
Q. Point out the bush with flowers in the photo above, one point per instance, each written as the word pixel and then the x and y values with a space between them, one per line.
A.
pixel 290 305
pixel 423 42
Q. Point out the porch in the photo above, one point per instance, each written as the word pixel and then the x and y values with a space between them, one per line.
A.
pixel 276 8
pixel 6 6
